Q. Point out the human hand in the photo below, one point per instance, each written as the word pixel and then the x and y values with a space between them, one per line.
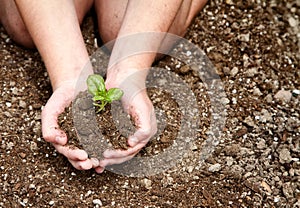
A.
pixel 60 99
pixel 138 105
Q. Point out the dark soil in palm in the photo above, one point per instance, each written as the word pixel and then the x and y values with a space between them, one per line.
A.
pixel 110 136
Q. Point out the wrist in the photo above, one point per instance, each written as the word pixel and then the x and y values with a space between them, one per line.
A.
pixel 122 75
pixel 64 84
pixel 73 78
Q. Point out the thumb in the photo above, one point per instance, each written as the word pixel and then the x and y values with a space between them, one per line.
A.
pixel 53 108
pixel 147 127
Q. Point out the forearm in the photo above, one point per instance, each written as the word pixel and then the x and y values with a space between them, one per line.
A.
pixel 151 15
pixel 56 33
pixel 146 16
pixel 140 49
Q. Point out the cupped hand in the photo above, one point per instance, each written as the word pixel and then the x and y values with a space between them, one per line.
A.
pixel 138 105
pixel 60 99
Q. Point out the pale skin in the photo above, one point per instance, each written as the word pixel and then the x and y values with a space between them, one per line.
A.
pixel 53 27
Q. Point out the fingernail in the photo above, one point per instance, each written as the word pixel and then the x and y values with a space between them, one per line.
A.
pixel 58 139
pixel 95 161
pixel 133 140
pixel 100 170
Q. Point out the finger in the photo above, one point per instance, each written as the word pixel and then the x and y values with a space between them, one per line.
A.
pixel 95 162
pixel 81 165
pixel 71 153
pixel 86 164
pixel 142 135
pixel 54 107
pixel 99 169
pixel 147 126
pixel 113 161
pixel 51 131
pixel 110 154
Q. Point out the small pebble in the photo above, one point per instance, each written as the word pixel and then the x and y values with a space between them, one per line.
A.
pixel 97 202
pixel 245 37
pixel 288 190
pixel 184 69
pixel 296 92
pixel 232 150
pixel 261 144
pixel 257 92
pixel 225 100
pixel 229 2
pixel 251 72
pixel 190 169
pixel 285 156
pixel 249 121
pixel 234 71
pixel 147 183
pixel 293 22
pixel 4 36
pixel 22 155
pixel 276 199
pixel 22 104
pixel 229 161
pixel 215 168
pixel 31 186
pixel 283 95
pixel 188 53
pixel 266 186
pixel 194 148
pixel 269 98
pixel 265 116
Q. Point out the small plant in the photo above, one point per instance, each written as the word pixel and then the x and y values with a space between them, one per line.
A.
pixel 102 96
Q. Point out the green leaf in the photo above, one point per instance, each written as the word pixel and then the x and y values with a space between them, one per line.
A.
pixel 95 84
pixel 98 97
pixel 114 94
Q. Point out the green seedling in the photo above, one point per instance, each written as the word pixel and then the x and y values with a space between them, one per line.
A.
pixel 102 96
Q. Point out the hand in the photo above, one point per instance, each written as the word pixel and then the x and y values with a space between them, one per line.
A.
pixel 138 105
pixel 61 98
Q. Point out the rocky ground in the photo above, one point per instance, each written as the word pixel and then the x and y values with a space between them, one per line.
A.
pixel 255 47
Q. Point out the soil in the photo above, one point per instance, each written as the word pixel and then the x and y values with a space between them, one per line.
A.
pixel 86 115
pixel 255 47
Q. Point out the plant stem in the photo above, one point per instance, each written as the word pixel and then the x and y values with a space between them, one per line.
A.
pixel 101 106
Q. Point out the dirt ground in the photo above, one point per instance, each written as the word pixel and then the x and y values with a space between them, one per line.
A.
pixel 255 47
